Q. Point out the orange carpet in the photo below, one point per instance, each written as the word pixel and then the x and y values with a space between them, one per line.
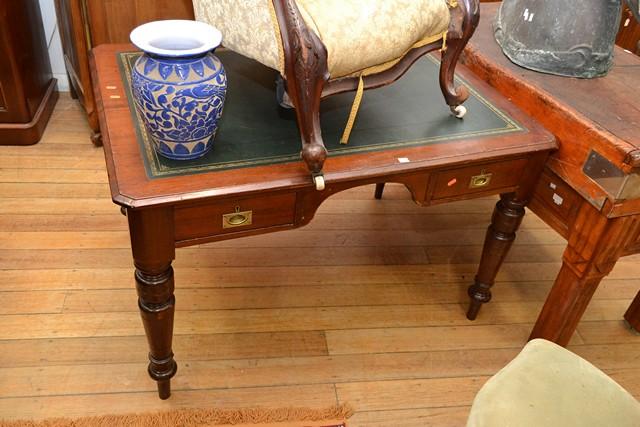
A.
pixel 243 417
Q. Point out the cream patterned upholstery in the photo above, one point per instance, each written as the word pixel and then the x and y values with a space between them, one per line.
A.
pixel 358 34
pixel 546 385
pixel 247 26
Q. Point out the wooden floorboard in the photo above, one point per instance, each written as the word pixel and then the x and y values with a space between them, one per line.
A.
pixel 365 305
pixel 328 295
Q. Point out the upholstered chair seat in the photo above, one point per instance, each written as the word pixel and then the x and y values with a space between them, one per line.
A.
pixel 547 385
pixel 325 47
pixel 358 34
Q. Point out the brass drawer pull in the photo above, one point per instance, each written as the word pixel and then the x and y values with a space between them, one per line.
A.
pixel 481 180
pixel 237 219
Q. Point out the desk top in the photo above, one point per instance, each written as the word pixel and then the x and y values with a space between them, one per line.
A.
pixel 600 114
pixel 509 133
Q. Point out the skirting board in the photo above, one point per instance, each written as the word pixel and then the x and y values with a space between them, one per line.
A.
pixel 30 133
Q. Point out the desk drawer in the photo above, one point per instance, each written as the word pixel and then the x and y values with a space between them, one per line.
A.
pixel 555 202
pixel 457 182
pixel 557 196
pixel 234 215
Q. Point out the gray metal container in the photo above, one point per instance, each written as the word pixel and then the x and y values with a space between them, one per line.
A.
pixel 567 38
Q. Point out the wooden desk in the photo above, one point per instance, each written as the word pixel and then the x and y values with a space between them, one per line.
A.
pixel 175 211
pixel 590 189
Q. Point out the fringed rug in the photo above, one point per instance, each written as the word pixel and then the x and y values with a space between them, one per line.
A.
pixel 244 417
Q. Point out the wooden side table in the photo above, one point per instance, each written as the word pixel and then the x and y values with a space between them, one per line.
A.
pixel 496 149
pixel 590 189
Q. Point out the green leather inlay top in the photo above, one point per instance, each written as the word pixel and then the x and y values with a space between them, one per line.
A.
pixel 254 130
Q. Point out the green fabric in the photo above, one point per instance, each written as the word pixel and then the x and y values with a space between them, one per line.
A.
pixel 548 386
pixel 255 131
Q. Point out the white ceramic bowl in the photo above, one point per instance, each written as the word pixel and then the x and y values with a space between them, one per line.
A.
pixel 175 38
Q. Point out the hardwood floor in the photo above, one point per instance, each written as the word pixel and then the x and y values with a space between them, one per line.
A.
pixel 380 324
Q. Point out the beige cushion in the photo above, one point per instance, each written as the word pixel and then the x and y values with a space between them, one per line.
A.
pixel 248 27
pixel 358 34
pixel 548 386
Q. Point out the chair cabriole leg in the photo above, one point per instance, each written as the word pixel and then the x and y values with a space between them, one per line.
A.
pixel 464 20
pixel 306 73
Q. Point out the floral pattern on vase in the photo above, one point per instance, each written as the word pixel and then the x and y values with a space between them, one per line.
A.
pixel 180 100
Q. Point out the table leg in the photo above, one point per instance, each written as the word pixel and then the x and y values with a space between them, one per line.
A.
pixel 633 313
pixel 565 304
pixel 94 124
pixel 379 190
pixel 152 242
pixel 595 245
pixel 506 219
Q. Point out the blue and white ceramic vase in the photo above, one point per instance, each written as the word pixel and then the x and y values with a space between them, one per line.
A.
pixel 179 86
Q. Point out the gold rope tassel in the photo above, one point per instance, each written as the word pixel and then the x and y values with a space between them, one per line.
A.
pixel 354 112
pixel 378 69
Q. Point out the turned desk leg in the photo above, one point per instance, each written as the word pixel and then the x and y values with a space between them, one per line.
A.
pixel 633 313
pixel 506 219
pixel 153 251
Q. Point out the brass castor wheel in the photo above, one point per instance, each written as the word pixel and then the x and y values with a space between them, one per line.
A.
pixel 319 181
pixel 459 111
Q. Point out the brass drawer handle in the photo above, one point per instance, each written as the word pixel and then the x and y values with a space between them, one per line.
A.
pixel 481 180
pixel 237 219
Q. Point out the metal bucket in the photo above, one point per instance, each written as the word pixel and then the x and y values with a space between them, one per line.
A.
pixel 574 39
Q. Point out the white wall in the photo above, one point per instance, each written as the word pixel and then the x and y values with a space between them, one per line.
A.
pixel 53 41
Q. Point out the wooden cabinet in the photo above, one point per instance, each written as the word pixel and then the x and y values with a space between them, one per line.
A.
pixel 85 24
pixel 27 88
pixel 75 45
pixel 111 21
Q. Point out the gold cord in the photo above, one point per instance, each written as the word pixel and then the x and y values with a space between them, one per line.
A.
pixel 378 69
pixel 354 112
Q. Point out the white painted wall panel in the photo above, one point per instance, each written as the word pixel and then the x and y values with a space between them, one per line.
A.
pixel 55 45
